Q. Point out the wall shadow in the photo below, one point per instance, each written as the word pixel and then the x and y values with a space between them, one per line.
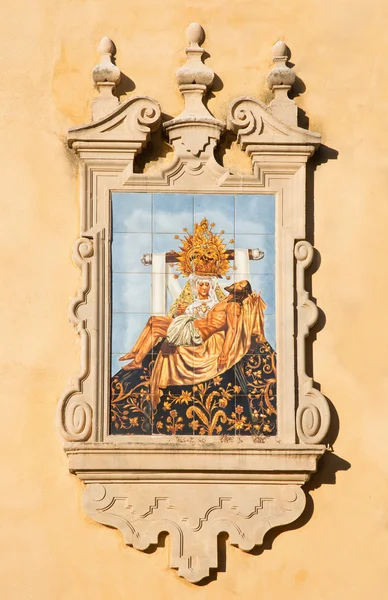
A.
pixel 161 543
pixel 322 156
pixel 126 84
pixel 157 149
pixel 217 85
pixel 225 143
pixel 221 555
pixel 298 88
pixel 330 464
pixel 222 539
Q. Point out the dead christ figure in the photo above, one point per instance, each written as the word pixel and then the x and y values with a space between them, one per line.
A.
pixel 186 331
pixel 183 334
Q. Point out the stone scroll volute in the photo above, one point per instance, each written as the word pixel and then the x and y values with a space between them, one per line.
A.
pixel 195 486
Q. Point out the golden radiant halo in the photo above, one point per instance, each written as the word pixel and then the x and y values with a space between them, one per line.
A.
pixel 203 253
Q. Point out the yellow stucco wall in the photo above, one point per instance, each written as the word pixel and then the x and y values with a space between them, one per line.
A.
pixel 50 549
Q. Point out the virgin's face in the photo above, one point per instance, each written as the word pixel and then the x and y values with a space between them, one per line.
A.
pixel 203 288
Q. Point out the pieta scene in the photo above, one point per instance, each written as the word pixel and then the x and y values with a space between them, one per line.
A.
pixel 193 315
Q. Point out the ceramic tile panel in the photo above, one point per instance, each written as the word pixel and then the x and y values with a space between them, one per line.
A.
pixel 173 212
pixel 131 292
pixel 266 243
pixel 178 261
pixel 270 329
pixel 255 214
pixel 128 250
pixel 131 212
pixel 126 328
pixel 216 208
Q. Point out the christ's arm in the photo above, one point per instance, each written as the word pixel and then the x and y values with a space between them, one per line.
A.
pixel 233 311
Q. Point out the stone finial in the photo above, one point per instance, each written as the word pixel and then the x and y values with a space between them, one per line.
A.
pixel 280 80
pixel 105 76
pixel 194 77
pixel 195 132
pixel 194 71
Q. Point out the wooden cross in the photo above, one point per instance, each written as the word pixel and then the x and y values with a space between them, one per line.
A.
pixel 172 256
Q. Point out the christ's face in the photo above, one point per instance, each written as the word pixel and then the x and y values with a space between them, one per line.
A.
pixel 203 288
pixel 240 285
pixel 239 289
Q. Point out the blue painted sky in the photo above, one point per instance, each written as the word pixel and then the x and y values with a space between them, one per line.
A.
pixel 146 223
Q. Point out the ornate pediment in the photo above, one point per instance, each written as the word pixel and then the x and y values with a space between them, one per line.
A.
pixel 133 120
pixel 254 123
pixel 119 135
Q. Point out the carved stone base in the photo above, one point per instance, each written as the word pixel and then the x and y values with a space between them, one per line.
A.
pixel 193 515
pixel 242 488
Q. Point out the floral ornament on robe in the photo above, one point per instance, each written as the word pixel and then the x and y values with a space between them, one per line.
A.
pixel 240 401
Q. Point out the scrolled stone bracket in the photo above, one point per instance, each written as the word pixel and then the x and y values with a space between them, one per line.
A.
pixel 193 527
pixel 74 414
pixel 272 145
pixel 118 137
pixel 128 488
pixel 313 413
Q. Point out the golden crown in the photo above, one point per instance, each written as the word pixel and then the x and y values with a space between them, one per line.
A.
pixel 203 253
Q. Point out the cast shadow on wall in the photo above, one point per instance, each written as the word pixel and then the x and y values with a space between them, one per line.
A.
pixel 217 85
pixel 330 464
pixel 125 85
pixel 156 151
pixel 298 88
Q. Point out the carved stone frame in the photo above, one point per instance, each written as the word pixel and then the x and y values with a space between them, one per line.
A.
pixel 194 487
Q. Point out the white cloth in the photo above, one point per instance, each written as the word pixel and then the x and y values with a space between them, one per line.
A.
pixel 158 288
pixel 182 332
pixel 162 279
pixel 241 261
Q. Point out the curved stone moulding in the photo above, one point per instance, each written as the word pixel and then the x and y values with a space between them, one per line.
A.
pixel 313 414
pixel 254 123
pixel 119 136
pixel 193 516
pixel 74 413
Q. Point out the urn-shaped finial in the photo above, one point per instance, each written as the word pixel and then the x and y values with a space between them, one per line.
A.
pixel 106 71
pixel 194 71
pixel 194 132
pixel 280 80
pixel 105 76
pixel 280 74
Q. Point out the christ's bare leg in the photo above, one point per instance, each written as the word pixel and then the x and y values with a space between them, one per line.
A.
pixel 155 329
